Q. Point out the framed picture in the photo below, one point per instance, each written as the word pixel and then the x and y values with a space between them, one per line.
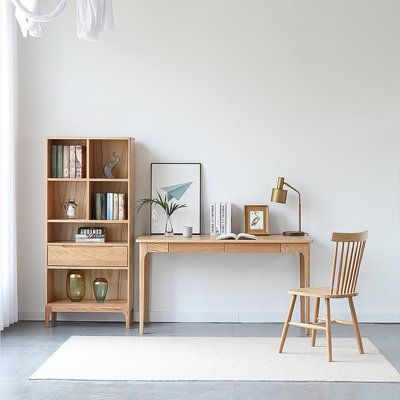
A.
pixel 180 183
pixel 256 219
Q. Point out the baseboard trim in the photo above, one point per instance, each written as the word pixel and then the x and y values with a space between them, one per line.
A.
pixel 206 316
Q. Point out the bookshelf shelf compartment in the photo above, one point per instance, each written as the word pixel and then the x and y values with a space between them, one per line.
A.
pixel 65 142
pixel 65 231
pixel 107 186
pixel 59 192
pixel 101 151
pixel 60 231
pixel 89 306
pixel 117 288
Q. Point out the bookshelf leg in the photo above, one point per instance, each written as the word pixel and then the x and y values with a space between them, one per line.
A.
pixel 128 319
pixel 47 313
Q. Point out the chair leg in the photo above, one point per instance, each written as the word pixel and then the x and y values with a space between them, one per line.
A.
pixel 286 326
pixel 355 325
pixel 328 330
pixel 315 320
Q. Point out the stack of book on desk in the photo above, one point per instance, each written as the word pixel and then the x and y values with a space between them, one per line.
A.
pixel 220 218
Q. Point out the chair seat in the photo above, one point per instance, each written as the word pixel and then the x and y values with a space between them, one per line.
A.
pixel 319 291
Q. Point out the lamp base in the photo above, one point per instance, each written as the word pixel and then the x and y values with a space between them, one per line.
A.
pixel 294 233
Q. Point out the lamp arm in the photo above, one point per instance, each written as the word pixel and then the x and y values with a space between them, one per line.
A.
pixel 291 187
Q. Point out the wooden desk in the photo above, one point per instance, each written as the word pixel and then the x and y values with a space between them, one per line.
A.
pixel 205 244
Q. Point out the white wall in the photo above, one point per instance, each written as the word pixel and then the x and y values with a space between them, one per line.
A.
pixel 253 90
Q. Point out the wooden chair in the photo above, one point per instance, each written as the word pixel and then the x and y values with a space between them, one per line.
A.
pixel 349 250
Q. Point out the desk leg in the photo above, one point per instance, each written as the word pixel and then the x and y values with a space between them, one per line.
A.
pixel 147 272
pixel 305 282
pixel 142 284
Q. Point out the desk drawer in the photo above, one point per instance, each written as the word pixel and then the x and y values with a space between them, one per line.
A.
pixel 252 248
pixel 196 248
pixel 291 248
pixel 157 247
pixel 90 256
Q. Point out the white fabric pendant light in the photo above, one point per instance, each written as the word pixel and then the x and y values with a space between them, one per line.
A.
pixel 93 17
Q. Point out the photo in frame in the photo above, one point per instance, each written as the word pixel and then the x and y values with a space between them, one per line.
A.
pixel 256 219
pixel 180 183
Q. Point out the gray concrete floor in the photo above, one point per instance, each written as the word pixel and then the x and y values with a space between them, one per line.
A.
pixel 26 345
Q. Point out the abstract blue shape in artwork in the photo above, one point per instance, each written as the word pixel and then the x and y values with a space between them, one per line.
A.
pixel 176 191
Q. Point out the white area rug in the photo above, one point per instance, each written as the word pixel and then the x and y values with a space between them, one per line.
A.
pixel 213 359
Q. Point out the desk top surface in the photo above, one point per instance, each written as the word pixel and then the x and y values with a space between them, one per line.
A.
pixel 211 239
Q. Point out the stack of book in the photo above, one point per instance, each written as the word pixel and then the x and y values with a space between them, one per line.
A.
pixel 90 235
pixel 67 161
pixel 220 218
pixel 110 206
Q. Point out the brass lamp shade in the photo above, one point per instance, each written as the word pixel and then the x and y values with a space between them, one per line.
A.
pixel 279 195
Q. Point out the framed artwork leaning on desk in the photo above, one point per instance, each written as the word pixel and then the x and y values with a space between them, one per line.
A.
pixel 256 219
pixel 179 182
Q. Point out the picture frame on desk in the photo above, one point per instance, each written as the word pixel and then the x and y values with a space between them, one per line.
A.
pixel 180 183
pixel 256 219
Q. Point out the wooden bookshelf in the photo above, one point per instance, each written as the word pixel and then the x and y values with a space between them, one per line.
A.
pixel 112 259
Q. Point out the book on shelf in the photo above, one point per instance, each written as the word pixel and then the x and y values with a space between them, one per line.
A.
pixel 67 161
pixel 54 161
pixel 103 205
pixel 220 218
pixel 121 206
pixel 91 230
pixel 82 238
pixel 115 206
pixel 72 161
pixel 79 161
pixel 110 206
pixel 60 163
pixel 234 236
pixel 89 234
pixel 97 199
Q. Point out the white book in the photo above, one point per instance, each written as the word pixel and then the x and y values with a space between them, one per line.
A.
pixel 228 219
pixel 212 219
pixel 223 218
pixel 217 218
pixel 233 236
pixel 121 206
pixel 110 204
pixel 115 206
pixel 72 160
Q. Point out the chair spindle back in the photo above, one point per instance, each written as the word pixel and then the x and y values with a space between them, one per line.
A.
pixel 349 250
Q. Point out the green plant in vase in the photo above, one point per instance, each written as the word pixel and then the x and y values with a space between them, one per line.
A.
pixel 169 209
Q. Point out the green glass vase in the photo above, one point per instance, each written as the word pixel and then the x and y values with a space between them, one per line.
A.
pixel 76 285
pixel 100 288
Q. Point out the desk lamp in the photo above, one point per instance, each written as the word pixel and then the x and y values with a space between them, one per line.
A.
pixel 279 196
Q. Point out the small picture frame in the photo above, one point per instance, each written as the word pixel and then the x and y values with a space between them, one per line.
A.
pixel 256 219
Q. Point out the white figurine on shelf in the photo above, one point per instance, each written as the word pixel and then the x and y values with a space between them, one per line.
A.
pixel 70 207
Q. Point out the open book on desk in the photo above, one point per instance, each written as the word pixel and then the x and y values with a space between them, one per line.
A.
pixel 240 236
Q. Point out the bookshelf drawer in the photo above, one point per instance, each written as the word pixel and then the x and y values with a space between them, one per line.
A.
pixel 93 256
